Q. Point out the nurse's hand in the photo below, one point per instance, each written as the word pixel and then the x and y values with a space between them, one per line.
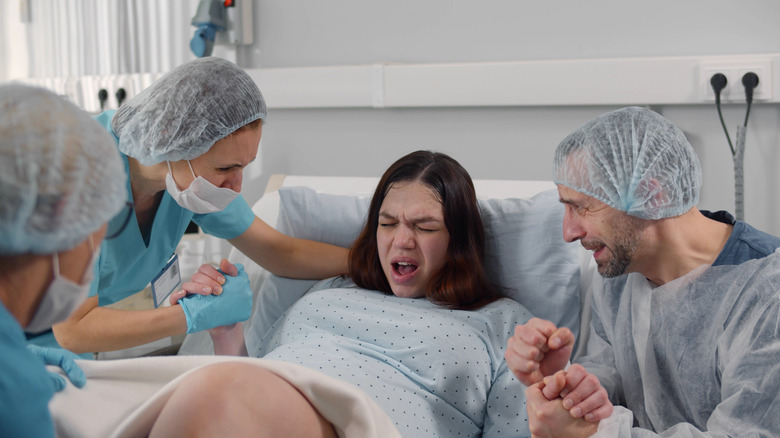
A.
pixel 581 392
pixel 538 349
pixel 206 281
pixel 205 312
pixel 63 359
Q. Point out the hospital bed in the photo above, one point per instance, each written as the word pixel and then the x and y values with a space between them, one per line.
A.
pixel 525 251
pixel 525 255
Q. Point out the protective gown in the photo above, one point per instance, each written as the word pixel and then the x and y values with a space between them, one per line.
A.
pixel 701 353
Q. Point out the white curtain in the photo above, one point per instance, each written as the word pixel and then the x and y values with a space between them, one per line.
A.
pixel 70 38
pixel 78 47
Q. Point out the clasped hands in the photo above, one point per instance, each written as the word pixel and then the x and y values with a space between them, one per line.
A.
pixel 215 298
pixel 560 402
pixel 207 280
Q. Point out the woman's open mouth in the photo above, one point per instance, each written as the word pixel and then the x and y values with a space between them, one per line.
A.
pixel 404 270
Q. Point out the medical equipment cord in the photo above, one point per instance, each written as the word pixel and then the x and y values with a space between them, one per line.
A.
pixel 718 83
pixel 750 82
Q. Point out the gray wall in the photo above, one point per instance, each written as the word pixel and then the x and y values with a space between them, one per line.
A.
pixel 507 142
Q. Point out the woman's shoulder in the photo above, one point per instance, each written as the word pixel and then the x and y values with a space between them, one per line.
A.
pixel 339 282
pixel 505 305
pixel 504 312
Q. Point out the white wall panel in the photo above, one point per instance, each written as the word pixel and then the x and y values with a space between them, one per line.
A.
pixel 616 81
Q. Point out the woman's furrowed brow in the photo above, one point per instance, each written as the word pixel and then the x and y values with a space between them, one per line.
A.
pixel 413 220
pixel 426 219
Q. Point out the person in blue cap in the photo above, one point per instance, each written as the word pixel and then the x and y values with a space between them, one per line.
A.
pixel 685 335
pixel 61 181
pixel 184 142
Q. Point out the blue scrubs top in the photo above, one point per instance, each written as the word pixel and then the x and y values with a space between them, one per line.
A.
pixel 745 242
pixel 129 261
pixel 25 386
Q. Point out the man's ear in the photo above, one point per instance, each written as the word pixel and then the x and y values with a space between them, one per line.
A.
pixel 655 195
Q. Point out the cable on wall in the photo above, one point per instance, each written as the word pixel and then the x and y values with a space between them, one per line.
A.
pixel 749 82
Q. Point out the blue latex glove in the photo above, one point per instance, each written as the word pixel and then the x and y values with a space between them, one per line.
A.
pixel 63 359
pixel 233 305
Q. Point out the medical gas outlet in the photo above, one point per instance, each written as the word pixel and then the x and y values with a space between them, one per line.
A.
pixel 221 22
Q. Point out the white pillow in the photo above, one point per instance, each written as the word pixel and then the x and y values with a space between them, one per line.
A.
pixel 334 219
pixel 525 252
pixel 306 214
pixel 526 255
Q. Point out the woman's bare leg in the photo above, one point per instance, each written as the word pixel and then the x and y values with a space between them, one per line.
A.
pixel 237 399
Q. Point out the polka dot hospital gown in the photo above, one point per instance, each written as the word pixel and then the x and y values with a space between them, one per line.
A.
pixel 436 372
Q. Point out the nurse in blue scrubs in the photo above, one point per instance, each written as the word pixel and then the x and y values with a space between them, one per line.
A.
pixel 61 181
pixel 184 142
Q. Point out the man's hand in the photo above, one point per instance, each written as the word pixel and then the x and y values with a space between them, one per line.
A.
pixel 538 349
pixel 581 392
pixel 548 418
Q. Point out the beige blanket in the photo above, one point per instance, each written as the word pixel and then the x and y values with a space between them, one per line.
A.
pixel 122 398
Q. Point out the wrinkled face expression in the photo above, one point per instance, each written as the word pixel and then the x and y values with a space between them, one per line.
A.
pixel 412 237
pixel 223 165
pixel 612 235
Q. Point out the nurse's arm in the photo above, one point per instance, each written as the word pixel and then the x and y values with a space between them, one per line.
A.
pixel 286 256
pixel 92 328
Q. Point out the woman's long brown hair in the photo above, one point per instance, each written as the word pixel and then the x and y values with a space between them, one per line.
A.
pixel 461 283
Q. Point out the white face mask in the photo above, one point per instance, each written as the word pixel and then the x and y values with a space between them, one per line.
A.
pixel 62 297
pixel 201 196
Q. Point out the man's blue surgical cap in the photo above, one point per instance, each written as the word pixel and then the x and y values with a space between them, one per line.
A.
pixel 633 160
pixel 185 112
pixel 61 177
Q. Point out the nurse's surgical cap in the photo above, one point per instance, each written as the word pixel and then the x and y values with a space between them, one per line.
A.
pixel 61 177
pixel 185 112
pixel 633 160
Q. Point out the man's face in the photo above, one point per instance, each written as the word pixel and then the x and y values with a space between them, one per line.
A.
pixel 612 235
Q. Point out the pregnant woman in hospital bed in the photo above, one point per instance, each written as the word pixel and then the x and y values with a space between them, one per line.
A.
pixel 417 326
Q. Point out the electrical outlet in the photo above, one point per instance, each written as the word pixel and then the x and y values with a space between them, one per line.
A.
pixel 735 91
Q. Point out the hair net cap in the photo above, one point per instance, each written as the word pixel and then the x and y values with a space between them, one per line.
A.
pixel 185 112
pixel 633 160
pixel 61 177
